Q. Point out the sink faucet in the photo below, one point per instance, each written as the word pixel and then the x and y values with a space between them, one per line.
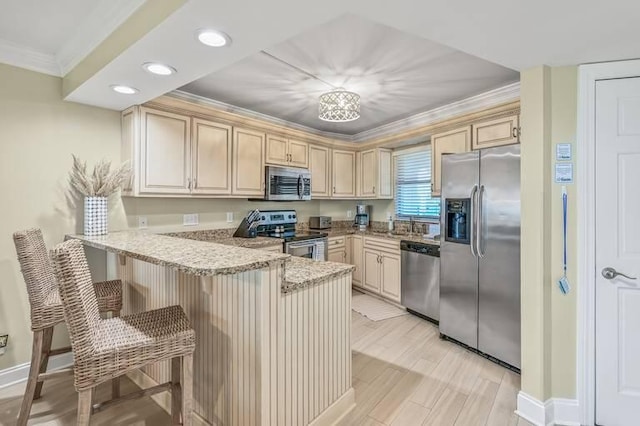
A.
pixel 411 222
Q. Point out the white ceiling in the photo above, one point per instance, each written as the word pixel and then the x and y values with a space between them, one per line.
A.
pixel 396 74
pixel 55 35
pixel 517 35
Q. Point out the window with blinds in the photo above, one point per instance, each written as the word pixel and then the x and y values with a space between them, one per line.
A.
pixel 413 185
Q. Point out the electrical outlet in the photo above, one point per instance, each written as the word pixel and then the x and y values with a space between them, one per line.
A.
pixel 349 214
pixel 4 339
pixel 142 222
pixel 229 217
pixel 190 219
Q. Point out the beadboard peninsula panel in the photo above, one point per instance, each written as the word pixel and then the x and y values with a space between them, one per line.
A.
pixel 263 357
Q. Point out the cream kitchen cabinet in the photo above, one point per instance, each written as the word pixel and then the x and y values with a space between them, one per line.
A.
pixel 248 162
pixel 211 155
pixel 382 267
pixel 355 257
pixel 287 152
pixel 498 132
pixel 337 249
pixel 452 142
pixel 344 174
pixel 375 174
pixel 320 169
pixel 165 153
pixel 172 154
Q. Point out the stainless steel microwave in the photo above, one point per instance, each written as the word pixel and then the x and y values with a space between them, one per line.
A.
pixel 287 184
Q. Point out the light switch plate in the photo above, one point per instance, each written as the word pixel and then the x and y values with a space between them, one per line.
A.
pixel 349 214
pixel 229 217
pixel 190 219
pixel 142 222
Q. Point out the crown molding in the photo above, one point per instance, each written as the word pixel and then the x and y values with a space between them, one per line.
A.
pixel 102 21
pixel 482 101
pixel 208 102
pixel 24 57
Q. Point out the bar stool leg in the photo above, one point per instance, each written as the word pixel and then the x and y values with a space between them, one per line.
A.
pixel 115 383
pixel 175 389
pixel 187 390
pixel 46 350
pixel 85 398
pixel 34 369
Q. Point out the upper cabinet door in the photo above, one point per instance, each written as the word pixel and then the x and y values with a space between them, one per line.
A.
pixel 452 142
pixel 211 158
pixel 298 153
pixel 385 174
pixel 498 132
pixel 248 162
pixel 344 176
pixel 277 151
pixel 165 153
pixel 320 168
pixel 368 173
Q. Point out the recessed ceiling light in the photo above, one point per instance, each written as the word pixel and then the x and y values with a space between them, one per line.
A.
pixel 158 69
pixel 213 38
pixel 125 90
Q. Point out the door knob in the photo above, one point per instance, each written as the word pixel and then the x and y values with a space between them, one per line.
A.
pixel 610 273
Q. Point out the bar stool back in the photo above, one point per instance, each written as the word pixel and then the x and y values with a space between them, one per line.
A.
pixel 47 311
pixel 108 348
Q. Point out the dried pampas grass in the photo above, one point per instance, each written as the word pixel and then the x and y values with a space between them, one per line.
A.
pixel 102 182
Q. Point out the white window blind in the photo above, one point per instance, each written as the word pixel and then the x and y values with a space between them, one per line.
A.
pixel 413 185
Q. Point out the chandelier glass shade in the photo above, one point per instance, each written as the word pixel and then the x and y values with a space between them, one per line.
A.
pixel 339 106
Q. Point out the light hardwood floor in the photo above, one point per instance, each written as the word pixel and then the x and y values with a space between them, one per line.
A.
pixel 403 375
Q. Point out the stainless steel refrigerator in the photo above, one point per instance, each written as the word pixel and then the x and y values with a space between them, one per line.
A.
pixel 480 251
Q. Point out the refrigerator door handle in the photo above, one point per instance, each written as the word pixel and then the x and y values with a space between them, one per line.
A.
pixel 472 243
pixel 479 221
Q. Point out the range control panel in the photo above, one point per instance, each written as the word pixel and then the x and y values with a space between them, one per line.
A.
pixel 277 217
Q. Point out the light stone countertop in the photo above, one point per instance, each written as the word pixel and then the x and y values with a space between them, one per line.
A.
pixel 194 257
pixel 399 237
pixel 215 255
pixel 301 272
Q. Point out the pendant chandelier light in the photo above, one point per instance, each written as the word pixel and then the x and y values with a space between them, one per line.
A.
pixel 338 105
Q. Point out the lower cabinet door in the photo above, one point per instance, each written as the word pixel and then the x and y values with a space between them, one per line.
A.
pixel 371 279
pixel 390 276
pixel 356 259
pixel 337 255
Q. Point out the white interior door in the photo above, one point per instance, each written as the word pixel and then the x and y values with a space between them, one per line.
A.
pixel 618 248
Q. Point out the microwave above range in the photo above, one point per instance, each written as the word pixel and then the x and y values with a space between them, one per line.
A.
pixel 287 184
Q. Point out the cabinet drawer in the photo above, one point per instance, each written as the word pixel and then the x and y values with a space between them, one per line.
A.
pixel 336 242
pixel 382 244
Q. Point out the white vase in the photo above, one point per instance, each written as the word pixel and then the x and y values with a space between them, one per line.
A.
pixel 95 216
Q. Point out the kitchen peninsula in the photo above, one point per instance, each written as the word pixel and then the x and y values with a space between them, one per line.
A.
pixel 273 331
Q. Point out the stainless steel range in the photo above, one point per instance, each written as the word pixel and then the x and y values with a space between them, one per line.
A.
pixel 282 224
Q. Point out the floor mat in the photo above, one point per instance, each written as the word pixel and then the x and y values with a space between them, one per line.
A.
pixel 373 308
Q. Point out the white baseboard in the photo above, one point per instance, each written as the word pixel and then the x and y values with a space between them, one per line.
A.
pixel 561 411
pixel 554 411
pixel 19 373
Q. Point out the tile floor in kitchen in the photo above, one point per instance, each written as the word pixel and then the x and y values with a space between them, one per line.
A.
pixel 403 374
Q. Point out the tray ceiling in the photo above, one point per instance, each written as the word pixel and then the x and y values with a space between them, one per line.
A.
pixel 396 74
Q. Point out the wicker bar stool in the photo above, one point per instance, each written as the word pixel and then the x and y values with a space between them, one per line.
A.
pixel 46 312
pixel 108 348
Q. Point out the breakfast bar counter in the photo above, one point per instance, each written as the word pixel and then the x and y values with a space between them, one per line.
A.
pixel 272 331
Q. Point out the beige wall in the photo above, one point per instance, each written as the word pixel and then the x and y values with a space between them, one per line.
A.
pixel 38 133
pixel 549 107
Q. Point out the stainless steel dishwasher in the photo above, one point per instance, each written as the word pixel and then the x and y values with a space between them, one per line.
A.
pixel 421 279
